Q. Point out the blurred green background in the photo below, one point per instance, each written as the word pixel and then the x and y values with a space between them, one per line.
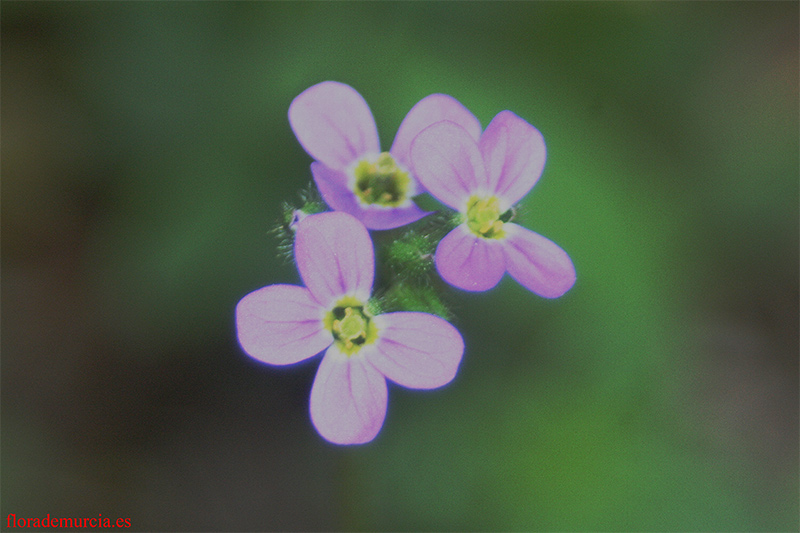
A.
pixel 146 151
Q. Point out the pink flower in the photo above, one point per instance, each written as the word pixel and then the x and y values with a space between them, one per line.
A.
pixel 285 324
pixel 335 126
pixel 483 180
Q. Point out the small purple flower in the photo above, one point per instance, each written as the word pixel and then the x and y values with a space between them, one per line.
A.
pixel 483 180
pixel 335 126
pixel 285 324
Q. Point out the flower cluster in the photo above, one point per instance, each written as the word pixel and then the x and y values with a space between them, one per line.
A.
pixel 390 323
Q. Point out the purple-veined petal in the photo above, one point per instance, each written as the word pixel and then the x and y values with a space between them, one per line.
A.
pixel 429 111
pixel 469 262
pixel 334 256
pixel 375 217
pixel 514 154
pixel 537 263
pixel 417 350
pixel 333 185
pixel 447 162
pixel 281 325
pixel 348 398
pixel 333 123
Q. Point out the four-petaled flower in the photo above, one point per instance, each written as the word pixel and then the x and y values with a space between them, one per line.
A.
pixel 285 324
pixel 335 126
pixel 483 180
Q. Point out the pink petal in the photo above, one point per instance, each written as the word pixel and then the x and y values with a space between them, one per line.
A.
pixel 348 398
pixel 537 263
pixel 380 218
pixel 333 123
pixel 333 186
pixel 417 350
pixel 514 154
pixel 334 256
pixel 428 111
pixel 281 325
pixel 448 164
pixel 469 262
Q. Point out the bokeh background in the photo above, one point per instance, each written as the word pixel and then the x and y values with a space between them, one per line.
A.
pixel 145 154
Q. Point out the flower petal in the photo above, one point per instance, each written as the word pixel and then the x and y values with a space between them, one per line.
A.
pixel 379 218
pixel 348 398
pixel 447 162
pixel 428 111
pixel 469 262
pixel 333 186
pixel 417 350
pixel 514 154
pixel 333 123
pixel 281 325
pixel 334 256
pixel 537 263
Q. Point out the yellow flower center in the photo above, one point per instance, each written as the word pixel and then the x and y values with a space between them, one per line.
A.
pixel 351 325
pixel 484 218
pixel 382 182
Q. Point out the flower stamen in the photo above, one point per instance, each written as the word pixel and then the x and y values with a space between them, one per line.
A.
pixel 351 325
pixel 382 182
pixel 484 218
